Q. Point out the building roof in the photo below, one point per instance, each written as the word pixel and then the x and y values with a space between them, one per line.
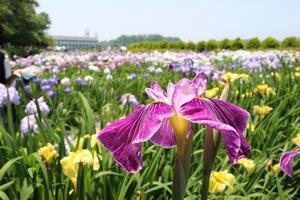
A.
pixel 59 37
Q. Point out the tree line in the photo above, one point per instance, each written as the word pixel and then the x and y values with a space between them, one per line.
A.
pixel 125 40
pixel 212 44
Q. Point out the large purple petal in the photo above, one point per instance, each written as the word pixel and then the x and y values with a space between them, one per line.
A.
pixel 150 121
pixel 286 161
pixel 184 92
pixel 123 138
pixel 200 83
pixel 165 136
pixel 117 138
pixel 231 120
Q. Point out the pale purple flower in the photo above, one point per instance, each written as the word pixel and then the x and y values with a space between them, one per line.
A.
pixel 67 90
pixel 146 75
pixel 29 123
pixel 36 80
pixel 44 82
pixel 11 92
pixel 150 69
pixel 32 109
pixel 272 62
pixel 53 81
pixel 78 80
pixel 129 98
pixel 83 84
pixel 158 71
pixel 14 95
pixel 133 101
pixel 27 89
pixel 169 117
pixel 46 87
pixel 131 76
pixel 51 93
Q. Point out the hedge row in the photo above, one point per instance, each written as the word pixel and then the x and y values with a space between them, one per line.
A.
pixel 236 44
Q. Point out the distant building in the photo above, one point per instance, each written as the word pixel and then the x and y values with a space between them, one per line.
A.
pixel 74 42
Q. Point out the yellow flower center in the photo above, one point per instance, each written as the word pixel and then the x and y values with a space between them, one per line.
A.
pixel 179 124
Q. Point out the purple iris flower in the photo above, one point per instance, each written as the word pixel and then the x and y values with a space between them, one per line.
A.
pixel 83 84
pixel 286 161
pixel 150 69
pixel 129 99
pixel 36 80
pixel 78 80
pixel 12 93
pixel 51 93
pixel 32 109
pixel 53 81
pixel 29 123
pixel 131 76
pixel 27 89
pixel 46 87
pixel 44 82
pixel 167 121
pixel 67 90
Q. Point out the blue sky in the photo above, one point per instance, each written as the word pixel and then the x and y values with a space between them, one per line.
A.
pixel 188 19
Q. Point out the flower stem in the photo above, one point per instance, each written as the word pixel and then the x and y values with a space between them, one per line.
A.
pixel 182 166
pixel 207 162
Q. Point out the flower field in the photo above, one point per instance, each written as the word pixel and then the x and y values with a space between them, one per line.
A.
pixel 60 138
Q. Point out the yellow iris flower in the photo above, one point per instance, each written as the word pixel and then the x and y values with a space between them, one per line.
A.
pixel 248 164
pixel 264 89
pixel 296 140
pixel 220 180
pixel 262 110
pixel 48 152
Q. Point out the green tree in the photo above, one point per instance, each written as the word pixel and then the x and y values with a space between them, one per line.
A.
pixel 190 45
pixel 22 25
pixel 225 44
pixel 270 43
pixel 237 44
pixel 180 45
pixel 212 44
pixel 253 43
pixel 290 42
pixel 171 45
pixel 200 46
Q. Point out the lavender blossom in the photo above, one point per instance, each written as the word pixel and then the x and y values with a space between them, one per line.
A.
pixel 29 123
pixel 32 109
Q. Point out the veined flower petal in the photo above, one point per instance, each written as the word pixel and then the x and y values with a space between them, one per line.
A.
pixel 156 93
pixel 170 91
pixel 165 135
pixel 226 117
pixel 124 138
pixel 286 161
pixel 151 120
pixel 117 138
pixel 200 83
pixel 184 92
